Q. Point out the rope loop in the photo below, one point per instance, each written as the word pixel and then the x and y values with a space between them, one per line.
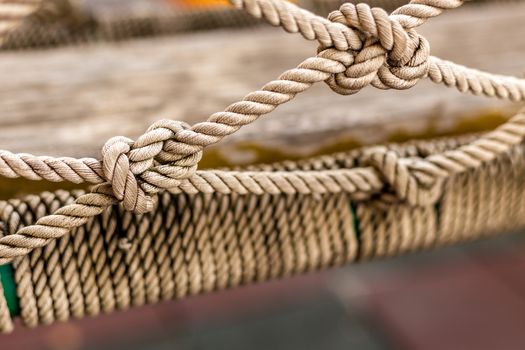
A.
pixel 391 57
pixel 414 180
pixel 135 170
pixel 360 46
pixel 118 171
pixel 406 72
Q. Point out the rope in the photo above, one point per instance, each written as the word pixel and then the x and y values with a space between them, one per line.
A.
pixel 12 12
pixel 191 244
pixel 6 324
pixel 359 46
pixel 96 276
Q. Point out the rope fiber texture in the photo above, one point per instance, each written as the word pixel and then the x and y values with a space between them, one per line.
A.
pixel 195 243
pixel 12 12
pixel 359 46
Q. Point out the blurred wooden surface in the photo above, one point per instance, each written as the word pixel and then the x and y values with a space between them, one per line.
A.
pixel 68 101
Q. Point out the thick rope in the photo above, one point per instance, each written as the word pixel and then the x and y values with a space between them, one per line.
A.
pixel 199 243
pixel 189 245
pixel 344 31
pixel 362 46
pixel 276 93
pixel 13 12
pixel 6 323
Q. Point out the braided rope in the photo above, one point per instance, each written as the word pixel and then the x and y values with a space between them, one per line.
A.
pixel 6 324
pixel 196 243
pixel 195 261
pixel 419 180
pixel 12 12
pixel 343 31
pixel 359 46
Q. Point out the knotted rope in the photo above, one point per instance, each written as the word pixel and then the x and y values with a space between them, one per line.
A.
pixel 12 12
pixel 393 56
pixel 359 46
pixel 131 168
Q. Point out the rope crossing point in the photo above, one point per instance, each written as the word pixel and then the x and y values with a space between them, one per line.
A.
pixel 359 46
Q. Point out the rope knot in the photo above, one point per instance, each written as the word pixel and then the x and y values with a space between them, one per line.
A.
pixel 391 57
pixel 137 170
pixel 415 180
pixel 120 173
pixel 404 72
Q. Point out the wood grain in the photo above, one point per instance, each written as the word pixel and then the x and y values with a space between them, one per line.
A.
pixel 68 101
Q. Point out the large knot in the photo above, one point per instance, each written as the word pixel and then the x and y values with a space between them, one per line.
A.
pixel 121 175
pixel 414 180
pixel 391 56
pixel 137 170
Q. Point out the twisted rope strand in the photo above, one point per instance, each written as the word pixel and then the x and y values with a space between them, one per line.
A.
pixel 419 180
pixel 439 71
pixel 359 73
pixel 377 23
pixel 166 156
pixel 13 12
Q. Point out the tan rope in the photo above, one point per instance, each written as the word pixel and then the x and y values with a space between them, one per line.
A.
pixel 166 156
pixel 395 33
pixel 6 324
pixel 192 258
pixel 195 243
pixel 12 13
pixel 420 180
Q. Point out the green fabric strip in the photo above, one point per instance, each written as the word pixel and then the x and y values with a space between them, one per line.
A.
pixel 7 277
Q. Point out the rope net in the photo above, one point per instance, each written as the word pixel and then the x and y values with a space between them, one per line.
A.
pixel 154 227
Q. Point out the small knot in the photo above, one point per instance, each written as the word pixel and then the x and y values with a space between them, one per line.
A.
pixel 137 170
pixel 391 56
pixel 405 72
pixel 415 180
pixel 118 173
pixel 360 72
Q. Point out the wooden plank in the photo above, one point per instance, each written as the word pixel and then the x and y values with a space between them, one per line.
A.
pixel 68 101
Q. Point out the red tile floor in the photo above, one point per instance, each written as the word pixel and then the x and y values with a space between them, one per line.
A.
pixel 466 297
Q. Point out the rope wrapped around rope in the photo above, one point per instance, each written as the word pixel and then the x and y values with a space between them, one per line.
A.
pixel 359 46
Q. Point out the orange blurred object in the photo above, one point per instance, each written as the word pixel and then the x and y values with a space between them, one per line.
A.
pixel 200 3
pixel 203 3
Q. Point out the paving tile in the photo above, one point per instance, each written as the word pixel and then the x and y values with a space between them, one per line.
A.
pixel 456 305
pixel 144 325
pixel 310 324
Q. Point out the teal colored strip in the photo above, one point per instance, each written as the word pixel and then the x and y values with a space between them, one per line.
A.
pixel 7 277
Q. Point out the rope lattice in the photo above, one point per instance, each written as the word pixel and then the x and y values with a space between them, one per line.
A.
pixel 191 244
pixel 12 12
pixel 359 46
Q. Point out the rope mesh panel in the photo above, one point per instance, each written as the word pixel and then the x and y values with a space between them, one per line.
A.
pixel 78 254
pixel 191 244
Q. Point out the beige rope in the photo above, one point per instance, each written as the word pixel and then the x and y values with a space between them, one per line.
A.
pixel 419 180
pixel 12 13
pixel 194 257
pixel 370 48
pixel 395 33
pixel 195 243
pixel 6 324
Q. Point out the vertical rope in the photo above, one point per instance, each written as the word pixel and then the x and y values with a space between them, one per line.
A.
pixel 6 323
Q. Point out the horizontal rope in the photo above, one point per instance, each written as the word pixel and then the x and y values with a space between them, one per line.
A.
pixel 360 46
pixel 13 12
pixel 205 242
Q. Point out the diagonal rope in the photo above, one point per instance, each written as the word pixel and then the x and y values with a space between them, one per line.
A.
pixel 359 46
